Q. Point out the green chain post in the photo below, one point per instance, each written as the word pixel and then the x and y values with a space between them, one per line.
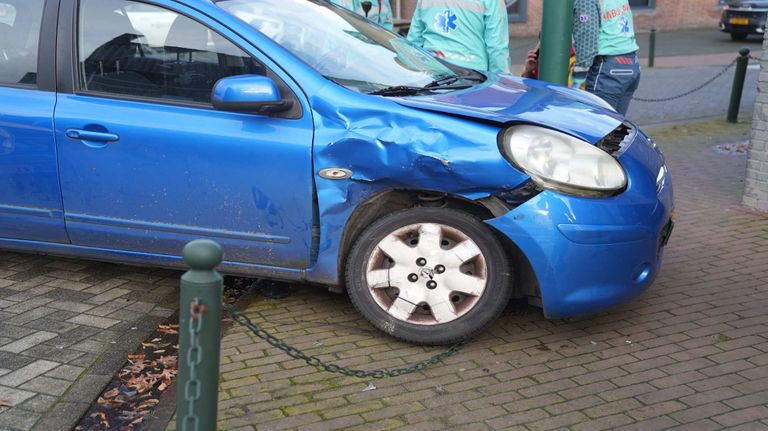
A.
pixel 738 85
pixel 652 48
pixel 556 35
pixel 199 337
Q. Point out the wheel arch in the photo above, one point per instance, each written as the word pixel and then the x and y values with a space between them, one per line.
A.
pixel 525 283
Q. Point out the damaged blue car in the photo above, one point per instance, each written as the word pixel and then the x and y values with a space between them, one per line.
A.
pixel 318 147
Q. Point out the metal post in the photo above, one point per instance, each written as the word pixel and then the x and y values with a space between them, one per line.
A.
pixel 738 85
pixel 199 337
pixel 556 35
pixel 652 48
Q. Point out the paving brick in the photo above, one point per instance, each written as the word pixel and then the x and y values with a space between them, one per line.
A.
pixel 96 321
pixel 47 385
pixel 603 423
pixel 18 419
pixel 701 412
pixel 738 417
pixel 27 342
pixel 504 422
pixel 27 373
pixel 710 396
pixel 14 396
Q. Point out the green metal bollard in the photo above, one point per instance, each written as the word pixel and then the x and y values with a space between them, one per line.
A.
pixel 738 85
pixel 652 48
pixel 199 337
pixel 556 35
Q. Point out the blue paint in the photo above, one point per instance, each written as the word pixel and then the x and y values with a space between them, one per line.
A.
pixel 131 180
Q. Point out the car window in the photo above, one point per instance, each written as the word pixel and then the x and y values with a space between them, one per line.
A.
pixel 135 49
pixel 339 44
pixel 19 37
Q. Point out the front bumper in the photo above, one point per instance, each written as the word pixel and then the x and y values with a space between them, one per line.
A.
pixel 749 22
pixel 592 254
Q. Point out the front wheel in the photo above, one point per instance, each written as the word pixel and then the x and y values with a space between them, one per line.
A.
pixel 429 275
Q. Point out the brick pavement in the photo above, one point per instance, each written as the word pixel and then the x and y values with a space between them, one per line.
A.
pixel 689 354
pixel 66 327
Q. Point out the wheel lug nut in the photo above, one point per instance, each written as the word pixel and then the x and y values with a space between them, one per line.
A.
pixel 413 278
pixel 431 284
pixel 439 269
pixel 421 261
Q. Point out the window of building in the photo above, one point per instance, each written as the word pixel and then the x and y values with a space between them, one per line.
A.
pixel 642 4
pixel 136 49
pixel 517 10
pixel 19 39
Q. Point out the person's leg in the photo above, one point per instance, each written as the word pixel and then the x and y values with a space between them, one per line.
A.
pixel 631 87
pixel 615 77
pixel 599 82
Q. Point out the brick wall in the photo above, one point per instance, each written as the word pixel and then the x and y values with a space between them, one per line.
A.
pixel 667 15
pixel 756 184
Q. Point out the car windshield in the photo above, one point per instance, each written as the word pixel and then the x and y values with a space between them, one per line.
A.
pixel 342 46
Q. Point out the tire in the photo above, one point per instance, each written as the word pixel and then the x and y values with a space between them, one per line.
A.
pixel 739 36
pixel 462 284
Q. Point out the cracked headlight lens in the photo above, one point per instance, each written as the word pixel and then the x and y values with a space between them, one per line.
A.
pixel 563 163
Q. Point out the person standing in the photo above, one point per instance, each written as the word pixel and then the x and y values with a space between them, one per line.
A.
pixel 469 33
pixel 605 46
pixel 378 11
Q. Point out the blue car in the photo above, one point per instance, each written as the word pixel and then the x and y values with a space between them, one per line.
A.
pixel 317 147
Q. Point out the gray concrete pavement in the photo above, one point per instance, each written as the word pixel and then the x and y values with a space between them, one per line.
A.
pixel 709 102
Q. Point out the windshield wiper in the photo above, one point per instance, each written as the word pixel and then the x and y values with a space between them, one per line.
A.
pixel 398 90
pixel 449 80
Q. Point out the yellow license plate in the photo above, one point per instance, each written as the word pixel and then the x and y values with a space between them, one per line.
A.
pixel 740 21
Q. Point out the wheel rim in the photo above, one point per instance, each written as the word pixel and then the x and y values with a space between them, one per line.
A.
pixel 427 274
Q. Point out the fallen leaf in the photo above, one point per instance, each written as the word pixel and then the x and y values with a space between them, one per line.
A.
pixel 155 340
pixel 148 403
pixel 112 393
pixel 138 357
pixel 4 403
pixel 159 351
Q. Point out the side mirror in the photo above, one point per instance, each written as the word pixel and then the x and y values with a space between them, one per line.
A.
pixel 249 93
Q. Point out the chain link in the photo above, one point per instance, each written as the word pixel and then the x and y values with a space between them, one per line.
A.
pixel 689 92
pixel 194 357
pixel 240 317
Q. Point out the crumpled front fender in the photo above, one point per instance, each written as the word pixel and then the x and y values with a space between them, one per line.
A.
pixel 387 146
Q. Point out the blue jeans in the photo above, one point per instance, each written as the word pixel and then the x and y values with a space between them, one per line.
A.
pixel 615 79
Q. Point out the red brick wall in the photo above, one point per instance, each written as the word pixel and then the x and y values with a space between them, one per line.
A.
pixel 667 15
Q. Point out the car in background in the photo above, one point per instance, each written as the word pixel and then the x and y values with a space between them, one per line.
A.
pixel 315 146
pixel 742 18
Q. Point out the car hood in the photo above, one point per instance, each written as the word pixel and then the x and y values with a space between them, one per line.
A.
pixel 754 4
pixel 505 100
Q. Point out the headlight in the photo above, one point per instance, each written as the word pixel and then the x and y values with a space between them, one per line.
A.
pixel 563 163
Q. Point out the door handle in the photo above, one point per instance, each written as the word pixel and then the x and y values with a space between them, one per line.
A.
pixel 87 135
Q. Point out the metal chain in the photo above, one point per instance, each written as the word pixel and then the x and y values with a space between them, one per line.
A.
pixel 689 92
pixel 240 317
pixel 194 356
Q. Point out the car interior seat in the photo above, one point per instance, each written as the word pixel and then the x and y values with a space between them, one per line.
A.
pixel 114 51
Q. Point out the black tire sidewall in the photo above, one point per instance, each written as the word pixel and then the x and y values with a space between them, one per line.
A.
pixel 486 310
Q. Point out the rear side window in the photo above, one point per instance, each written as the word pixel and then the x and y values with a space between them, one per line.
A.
pixel 136 49
pixel 19 37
